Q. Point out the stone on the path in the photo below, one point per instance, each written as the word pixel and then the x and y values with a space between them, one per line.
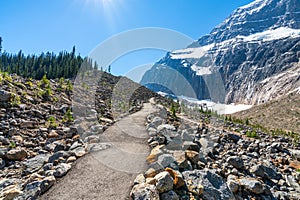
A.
pixel 144 191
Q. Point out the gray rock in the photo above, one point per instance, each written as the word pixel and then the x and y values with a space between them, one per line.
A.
pixel 290 180
pixel 252 185
pixel 61 169
pixel 167 160
pixel 34 164
pixel 265 172
pixel 144 191
pixel 235 161
pixel 79 152
pixel 3 152
pixel 157 121
pixel 295 153
pixel 170 195
pixel 207 184
pixel 164 182
pixel 36 188
pixel 57 155
pixel 4 140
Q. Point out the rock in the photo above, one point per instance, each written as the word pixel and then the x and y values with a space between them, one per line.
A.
pixel 71 159
pixel 139 179
pixel 192 156
pixel 53 134
pixel 175 143
pixel 5 96
pixel 157 121
pixel 2 163
pixel 295 164
pixel 235 161
pixel 177 177
pixel 144 191
pixel 290 180
pixel 252 185
pixel 189 145
pixel 151 172
pixel 36 188
pixel 28 124
pixel 59 146
pixel 61 169
pixel 16 154
pixel 57 155
pixel 155 153
pixel 10 192
pixel 79 152
pixel 207 184
pixel 265 172
pixel 34 164
pixel 167 160
pixel 170 195
pixel 164 182
pixel 233 186
pixel 235 138
pixel 4 140
pixel 295 153
pixel 181 160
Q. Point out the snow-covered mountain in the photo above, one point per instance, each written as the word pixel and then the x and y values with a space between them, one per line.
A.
pixel 255 51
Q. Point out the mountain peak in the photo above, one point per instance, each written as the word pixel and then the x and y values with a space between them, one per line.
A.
pixel 258 16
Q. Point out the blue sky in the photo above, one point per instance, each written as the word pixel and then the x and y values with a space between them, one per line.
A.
pixel 37 26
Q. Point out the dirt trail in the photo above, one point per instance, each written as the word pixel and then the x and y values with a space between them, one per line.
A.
pixel 107 174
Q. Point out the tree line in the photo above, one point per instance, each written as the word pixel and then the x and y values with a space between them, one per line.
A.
pixel 64 64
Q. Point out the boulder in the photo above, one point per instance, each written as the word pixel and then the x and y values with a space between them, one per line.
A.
pixel 207 184
pixel 252 185
pixel 34 164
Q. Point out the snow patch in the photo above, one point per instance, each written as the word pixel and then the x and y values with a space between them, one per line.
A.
pixel 269 35
pixel 200 71
pixel 220 108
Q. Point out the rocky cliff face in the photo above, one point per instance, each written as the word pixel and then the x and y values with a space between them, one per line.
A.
pixel 253 56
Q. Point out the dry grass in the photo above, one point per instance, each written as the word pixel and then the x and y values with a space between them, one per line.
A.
pixel 279 114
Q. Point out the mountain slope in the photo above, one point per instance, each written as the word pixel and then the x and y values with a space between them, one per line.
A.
pixel 254 53
pixel 283 113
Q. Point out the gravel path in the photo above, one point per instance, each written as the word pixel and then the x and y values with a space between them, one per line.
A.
pixel 108 174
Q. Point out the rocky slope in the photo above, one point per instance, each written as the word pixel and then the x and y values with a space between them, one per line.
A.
pixel 216 160
pixel 252 57
pixel 39 138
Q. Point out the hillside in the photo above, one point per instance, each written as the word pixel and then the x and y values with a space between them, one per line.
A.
pixel 283 113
